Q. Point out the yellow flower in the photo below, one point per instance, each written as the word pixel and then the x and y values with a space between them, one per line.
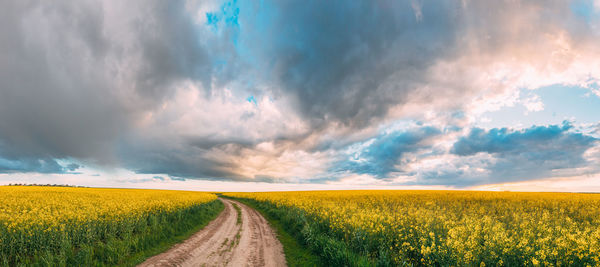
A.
pixel 469 226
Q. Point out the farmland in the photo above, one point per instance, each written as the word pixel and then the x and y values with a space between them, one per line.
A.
pixel 93 226
pixel 451 228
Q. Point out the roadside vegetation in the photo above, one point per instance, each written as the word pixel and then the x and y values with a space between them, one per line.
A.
pixel 67 226
pixel 439 228
pixel 297 254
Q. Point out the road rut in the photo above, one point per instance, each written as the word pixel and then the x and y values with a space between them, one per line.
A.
pixel 227 242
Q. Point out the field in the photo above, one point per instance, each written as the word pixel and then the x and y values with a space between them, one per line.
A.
pixel 85 226
pixel 450 228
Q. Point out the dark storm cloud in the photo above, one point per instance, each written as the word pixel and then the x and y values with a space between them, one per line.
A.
pixel 218 162
pixel 384 155
pixel 171 49
pixel 39 165
pixel 11 163
pixel 534 141
pixel 190 160
pixel 74 75
pixel 349 61
pixel 532 153
pixel 480 157
pixel 182 162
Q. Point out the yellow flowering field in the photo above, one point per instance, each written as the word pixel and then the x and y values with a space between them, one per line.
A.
pixel 65 225
pixel 452 228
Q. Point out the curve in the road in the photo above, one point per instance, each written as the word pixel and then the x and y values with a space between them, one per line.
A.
pixel 227 241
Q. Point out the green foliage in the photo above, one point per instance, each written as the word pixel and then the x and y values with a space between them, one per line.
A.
pixel 239 213
pixel 304 241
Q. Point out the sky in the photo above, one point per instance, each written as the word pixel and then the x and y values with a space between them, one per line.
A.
pixel 239 95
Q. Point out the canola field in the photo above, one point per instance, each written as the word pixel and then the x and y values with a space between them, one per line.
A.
pixel 61 226
pixel 449 228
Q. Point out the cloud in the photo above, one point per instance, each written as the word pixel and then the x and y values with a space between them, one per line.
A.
pixel 276 91
pixel 355 63
pixel 223 136
pixel 76 76
pixel 504 141
pixel 346 62
pixel 39 165
pixel 533 103
pixel 532 153
pixel 429 156
pixel 384 156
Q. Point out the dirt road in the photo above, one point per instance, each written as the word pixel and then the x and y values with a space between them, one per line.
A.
pixel 227 241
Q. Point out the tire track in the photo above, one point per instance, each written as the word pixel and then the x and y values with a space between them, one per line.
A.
pixel 225 242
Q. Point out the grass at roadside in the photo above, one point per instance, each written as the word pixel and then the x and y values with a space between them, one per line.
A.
pixel 295 253
pixel 212 211
pixel 239 213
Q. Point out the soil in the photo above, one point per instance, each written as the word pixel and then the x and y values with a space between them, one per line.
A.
pixel 227 241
